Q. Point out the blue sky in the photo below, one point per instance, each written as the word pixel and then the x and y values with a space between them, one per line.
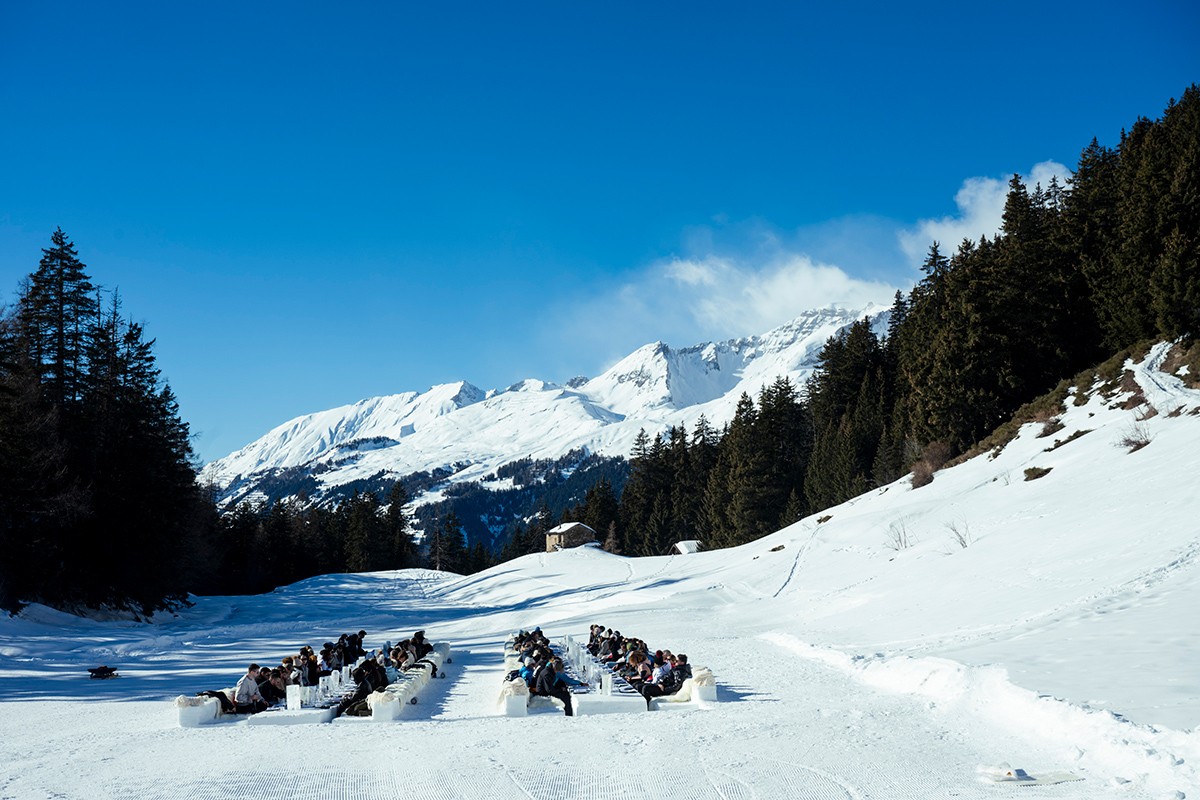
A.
pixel 309 205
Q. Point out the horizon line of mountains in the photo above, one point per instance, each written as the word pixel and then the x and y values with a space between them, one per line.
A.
pixel 457 434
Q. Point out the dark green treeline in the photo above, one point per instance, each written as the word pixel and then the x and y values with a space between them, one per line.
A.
pixel 98 495
pixel 99 502
pixel 1077 273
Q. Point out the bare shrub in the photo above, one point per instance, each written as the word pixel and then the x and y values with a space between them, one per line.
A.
pixel 1033 473
pixel 922 474
pixel 1150 411
pixel 1129 384
pixel 1060 442
pixel 1184 363
pixel 933 457
pixel 1112 373
pixel 1040 409
pixel 1136 437
pixel 1083 385
pixel 936 454
pixel 899 538
pixel 1051 427
pixel 960 536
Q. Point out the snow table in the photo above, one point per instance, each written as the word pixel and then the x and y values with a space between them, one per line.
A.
pixel 287 716
pixel 615 693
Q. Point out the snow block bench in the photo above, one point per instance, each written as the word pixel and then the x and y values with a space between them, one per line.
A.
pixel 698 690
pixel 196 711
pixel 386 705
pixel 514 698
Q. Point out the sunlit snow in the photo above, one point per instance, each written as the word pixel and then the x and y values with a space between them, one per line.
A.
pixel 1062 637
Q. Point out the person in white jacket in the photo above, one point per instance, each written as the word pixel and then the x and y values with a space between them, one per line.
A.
pixel 246 697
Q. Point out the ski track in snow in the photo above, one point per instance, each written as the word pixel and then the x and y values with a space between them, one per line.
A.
pixel 796 562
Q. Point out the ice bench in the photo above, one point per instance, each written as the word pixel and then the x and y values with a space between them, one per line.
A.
pixel 698 690
pixel 386 705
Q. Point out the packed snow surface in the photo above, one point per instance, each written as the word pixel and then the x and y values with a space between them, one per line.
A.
pixel 1049 624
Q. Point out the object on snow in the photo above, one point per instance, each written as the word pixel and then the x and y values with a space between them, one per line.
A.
pixel 1003 773
pixel 100 673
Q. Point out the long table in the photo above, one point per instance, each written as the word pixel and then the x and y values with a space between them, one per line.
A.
pixel 606 692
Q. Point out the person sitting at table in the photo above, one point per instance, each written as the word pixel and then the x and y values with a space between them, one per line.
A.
pixel 247 699
pixel 672 683
pixel 548 685
pixel 369 677
pixel 271 686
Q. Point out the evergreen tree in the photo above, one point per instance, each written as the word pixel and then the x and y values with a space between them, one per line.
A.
pixel 56 311
pixel 847 396
pixel 1175 286
pixel 403 549
pixel 1175 279
pixel 121 438
pixel 612 540
pixel 479 559
pixel 736 481
pixel 447 549
pixel 366 543
pixel 39 499
pixel 1091 224
pixel 642 490
pixel 599 508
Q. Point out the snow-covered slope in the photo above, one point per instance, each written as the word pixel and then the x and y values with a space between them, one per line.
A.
pixel 459 426
pixel 1062 636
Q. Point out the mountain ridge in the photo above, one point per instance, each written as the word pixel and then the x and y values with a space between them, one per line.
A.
pixel 469 431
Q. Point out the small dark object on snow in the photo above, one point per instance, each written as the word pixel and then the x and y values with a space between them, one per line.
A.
pixel 776 549
pixel 100 673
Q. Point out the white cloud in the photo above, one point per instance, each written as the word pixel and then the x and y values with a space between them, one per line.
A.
pixel 980 203
pixel 705 296
pixel 735 298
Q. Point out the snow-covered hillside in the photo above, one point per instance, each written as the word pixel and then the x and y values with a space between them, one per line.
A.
pixel 473 432
pixel 1035 607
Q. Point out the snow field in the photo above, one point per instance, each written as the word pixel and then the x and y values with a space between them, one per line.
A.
pixel 1062 637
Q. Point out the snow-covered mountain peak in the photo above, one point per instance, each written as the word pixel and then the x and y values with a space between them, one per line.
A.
pixel 531 385
pixel 654 387
pixel 312 436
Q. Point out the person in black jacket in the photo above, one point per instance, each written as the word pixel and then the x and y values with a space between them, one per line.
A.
pixel 549 685
pixel 672 683
pixel 272 686
pixel 369 678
